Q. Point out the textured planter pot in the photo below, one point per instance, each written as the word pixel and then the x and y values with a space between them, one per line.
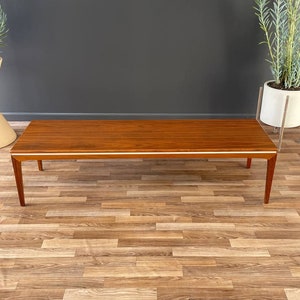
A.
pixel 7 134
pixel 272 107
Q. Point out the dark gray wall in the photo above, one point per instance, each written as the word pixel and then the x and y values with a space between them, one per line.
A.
pixel 130 58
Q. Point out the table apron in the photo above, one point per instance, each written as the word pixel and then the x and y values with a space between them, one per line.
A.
pixel 120 155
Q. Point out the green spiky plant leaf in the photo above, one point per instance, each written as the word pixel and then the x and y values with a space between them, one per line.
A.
pixel 3 27
pixel 280 22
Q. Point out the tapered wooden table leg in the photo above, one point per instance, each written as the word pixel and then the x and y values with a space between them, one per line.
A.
pixel 40 165
pixel 19 179
pixel 269 177
pixel 249 160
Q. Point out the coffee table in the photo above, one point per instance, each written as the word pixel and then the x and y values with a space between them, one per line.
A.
pixel 90 139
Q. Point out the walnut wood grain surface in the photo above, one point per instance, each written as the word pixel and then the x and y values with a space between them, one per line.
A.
pixel 117 136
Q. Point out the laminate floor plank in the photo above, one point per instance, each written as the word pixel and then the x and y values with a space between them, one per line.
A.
pixel 199 283
pixel 157 229
pixel 215 294
pixel 110 294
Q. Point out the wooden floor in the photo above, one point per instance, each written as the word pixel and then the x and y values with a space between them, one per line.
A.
pixel 151 229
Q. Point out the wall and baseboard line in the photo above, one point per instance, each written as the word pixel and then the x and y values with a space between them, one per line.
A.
pixel 25 116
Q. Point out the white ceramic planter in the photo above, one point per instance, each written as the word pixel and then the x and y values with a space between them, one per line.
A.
pixel 272 107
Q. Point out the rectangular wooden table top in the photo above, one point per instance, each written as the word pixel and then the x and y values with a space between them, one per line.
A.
pixel 144 137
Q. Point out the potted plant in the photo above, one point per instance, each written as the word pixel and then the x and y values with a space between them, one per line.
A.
pixel 280 22
pixel 7 134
